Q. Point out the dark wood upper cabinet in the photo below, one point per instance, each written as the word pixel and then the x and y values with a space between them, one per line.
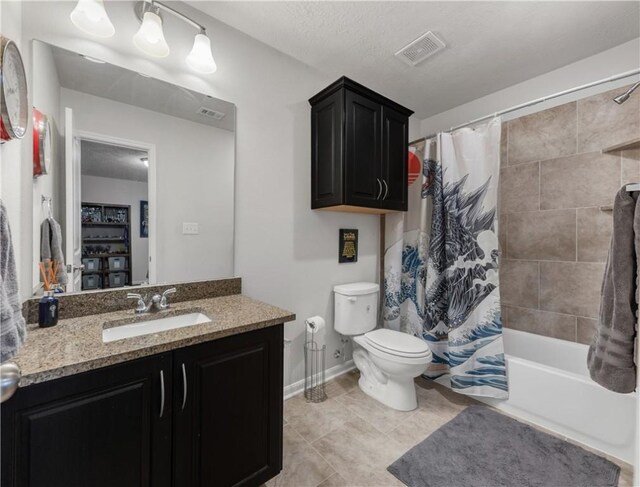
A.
pixel 359 150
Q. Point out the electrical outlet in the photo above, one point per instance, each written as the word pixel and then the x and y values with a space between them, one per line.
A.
pixel 190 228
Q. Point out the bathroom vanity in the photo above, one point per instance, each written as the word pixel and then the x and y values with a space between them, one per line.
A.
pixel 197 405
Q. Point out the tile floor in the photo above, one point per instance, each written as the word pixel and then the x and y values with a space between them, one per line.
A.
pixel 350 439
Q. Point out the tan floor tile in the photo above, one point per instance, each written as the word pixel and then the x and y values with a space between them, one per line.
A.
pixel 342 384
pixel 626 477
pixel 334 481
pixel 313 420
pixel 419 426
pixel 360 453
pixel 440 399
pixel 375 413
pixel 302 466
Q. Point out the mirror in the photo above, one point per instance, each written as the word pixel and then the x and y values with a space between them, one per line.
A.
pixel 133 177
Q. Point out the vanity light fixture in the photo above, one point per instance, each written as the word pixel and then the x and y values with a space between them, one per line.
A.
pixel 90 17
pixel 150 37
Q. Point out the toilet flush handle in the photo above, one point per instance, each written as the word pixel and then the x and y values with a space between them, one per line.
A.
pixel 352 299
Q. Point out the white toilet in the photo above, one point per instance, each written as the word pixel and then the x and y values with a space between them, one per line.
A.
pixel 388 360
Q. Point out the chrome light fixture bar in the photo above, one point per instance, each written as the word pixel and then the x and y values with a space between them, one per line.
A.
pixel 150 37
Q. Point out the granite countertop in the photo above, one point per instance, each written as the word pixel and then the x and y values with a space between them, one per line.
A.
pixel 75 345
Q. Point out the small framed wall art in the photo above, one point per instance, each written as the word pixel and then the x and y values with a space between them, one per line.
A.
pixel 348 245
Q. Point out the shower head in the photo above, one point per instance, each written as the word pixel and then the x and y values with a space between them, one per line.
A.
pixel 620 99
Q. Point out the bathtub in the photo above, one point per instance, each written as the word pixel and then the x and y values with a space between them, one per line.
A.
pixel 549 385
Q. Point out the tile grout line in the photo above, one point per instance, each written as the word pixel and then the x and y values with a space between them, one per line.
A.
pixel 601 262
pixel 317 453
pixel 546 311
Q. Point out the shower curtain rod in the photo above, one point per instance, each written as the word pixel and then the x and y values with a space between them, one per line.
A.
pixel 536 101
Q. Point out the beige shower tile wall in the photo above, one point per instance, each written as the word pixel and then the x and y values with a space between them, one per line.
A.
pixel 554 237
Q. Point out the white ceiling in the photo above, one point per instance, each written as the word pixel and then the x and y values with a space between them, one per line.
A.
pixel 490 45
pixel 106 80
pixel 112 161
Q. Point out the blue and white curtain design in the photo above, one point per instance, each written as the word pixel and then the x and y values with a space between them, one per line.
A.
pixel 441 260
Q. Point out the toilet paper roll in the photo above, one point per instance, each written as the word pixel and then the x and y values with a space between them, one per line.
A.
pixel 315 324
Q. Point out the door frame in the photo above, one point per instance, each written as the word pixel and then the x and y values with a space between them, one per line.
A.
pixel 151 185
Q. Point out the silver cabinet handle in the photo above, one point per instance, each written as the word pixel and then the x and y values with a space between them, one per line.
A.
pixel 386 190
pixel 380 186
pixel 9 380
pixel 161 393
pixel 184 387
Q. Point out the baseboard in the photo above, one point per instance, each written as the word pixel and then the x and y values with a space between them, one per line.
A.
pixel 298 387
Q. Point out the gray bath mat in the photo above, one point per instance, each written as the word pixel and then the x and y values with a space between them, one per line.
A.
pixel 483 448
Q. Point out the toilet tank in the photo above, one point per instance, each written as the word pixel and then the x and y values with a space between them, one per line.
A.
pixel 356 307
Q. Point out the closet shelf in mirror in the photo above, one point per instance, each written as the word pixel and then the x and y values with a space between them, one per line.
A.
pixel 104 271
pixel 103 239
pixel 105 255
pixel 105 224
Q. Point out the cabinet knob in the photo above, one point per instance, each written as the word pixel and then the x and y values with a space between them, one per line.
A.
pixel 9 379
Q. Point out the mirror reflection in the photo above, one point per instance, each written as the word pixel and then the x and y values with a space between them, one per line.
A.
pixel 133 177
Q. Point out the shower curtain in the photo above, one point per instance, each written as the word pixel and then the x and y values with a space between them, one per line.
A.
pixel 441 260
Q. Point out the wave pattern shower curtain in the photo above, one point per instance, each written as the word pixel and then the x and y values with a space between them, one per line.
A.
pixel 441 260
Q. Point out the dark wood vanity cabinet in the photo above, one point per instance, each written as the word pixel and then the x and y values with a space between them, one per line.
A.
pixel 228 411
pixel 100 428
pixel 359 150
pixel 206 415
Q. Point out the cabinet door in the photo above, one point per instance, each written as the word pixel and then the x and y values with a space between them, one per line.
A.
pixel 99 428
pixel 362 151
pixel 326 151
pixel 228 411
pixel 395 153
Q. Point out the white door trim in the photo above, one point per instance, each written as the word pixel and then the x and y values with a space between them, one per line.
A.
pixel 152 182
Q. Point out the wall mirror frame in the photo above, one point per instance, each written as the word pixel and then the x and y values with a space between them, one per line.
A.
pixel 136 183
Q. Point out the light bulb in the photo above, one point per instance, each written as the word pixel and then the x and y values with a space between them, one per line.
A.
pixel 200 58
pixel 90 17
pixel 150 37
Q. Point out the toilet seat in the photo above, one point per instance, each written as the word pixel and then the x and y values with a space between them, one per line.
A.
pixel 386 346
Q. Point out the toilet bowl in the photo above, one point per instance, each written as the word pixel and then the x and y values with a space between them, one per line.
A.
pixel 388 360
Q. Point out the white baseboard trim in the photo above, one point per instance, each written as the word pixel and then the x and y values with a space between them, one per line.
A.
pixel 298 387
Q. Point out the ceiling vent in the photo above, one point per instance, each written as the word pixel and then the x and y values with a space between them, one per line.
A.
pixel 207 112
pixel 417 51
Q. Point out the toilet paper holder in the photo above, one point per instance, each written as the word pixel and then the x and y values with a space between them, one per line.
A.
pixel 314 361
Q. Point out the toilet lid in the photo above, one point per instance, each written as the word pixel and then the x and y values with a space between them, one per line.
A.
pixel 397 343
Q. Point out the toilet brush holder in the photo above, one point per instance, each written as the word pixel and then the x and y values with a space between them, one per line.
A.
pixel 314 360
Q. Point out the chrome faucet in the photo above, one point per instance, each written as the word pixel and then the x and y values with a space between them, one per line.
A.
pixel 158 302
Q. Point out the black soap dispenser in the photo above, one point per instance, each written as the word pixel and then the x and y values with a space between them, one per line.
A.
pixel 48 310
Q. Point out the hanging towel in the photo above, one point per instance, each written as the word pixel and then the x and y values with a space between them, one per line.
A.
pixel 12 324
pixel 51 247
pixel 611 354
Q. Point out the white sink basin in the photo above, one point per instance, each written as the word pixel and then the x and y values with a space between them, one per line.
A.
pixel 153 326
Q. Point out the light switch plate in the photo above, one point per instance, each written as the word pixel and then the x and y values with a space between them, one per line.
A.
pixel 190 228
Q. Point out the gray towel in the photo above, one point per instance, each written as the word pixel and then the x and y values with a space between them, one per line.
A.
pixel 51 247
pixel 12 324
pixel 611 354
